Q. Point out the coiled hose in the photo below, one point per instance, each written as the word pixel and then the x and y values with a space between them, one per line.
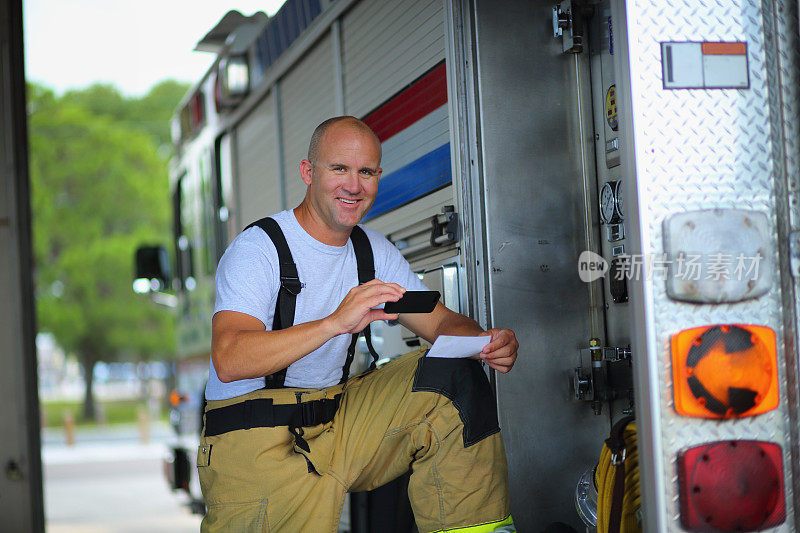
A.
pixel 613 517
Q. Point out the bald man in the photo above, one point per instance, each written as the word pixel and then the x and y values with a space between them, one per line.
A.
pixel 287 434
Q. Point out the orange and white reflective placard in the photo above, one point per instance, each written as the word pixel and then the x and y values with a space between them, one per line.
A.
pixel 705 65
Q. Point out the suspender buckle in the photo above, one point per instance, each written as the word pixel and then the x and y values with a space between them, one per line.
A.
pixel 291 284
pixel 317 412
pixel 310 413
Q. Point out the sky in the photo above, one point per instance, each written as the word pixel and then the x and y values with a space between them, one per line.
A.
pixel 71 44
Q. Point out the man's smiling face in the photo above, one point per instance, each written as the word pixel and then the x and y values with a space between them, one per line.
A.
pixel 343 181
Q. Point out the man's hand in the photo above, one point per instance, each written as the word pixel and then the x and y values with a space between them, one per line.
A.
pixel 501 352
pixel 356 310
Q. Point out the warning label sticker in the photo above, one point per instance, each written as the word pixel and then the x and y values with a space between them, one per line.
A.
pixel 706 65
pixel 611 107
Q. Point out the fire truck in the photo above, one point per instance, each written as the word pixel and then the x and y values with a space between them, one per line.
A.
pixel 616 181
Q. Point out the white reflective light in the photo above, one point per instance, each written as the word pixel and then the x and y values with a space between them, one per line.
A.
pixel 183 242
pixel 223 214
pixel 237 77
pixel 141 286
pixel 718 255
pixel 190 283
pixel 155 285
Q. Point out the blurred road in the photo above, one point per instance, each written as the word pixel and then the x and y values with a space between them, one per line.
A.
pixel 109 482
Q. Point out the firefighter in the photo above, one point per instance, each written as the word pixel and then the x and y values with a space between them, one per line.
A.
pixel 287 431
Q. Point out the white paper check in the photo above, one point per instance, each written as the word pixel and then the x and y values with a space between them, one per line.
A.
pixel 455 347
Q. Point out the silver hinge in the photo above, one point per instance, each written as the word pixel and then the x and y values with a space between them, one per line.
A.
pixel 444 227
pixel 564 27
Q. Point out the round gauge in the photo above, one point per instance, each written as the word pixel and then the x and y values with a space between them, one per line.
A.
pixel 607 203
pixel 618 205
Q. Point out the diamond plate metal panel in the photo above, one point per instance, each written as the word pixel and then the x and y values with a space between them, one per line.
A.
pixel 702 149
pixel 781 19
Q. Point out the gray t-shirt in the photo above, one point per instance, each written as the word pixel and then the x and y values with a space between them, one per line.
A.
pixel 248 282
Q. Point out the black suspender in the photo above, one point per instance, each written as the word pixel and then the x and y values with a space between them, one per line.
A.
pixel 291 286
pixel 287 294
pixel 366 272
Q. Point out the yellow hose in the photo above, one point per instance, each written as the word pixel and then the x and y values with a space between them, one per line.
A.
pixel 604 480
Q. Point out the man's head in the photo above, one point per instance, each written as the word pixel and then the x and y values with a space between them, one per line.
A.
pixel 342 172
pixel 319 131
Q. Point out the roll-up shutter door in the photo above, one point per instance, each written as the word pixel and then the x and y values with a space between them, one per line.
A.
pixel 257 166
pixel 307 98
pixel 394 78
pixel 387 45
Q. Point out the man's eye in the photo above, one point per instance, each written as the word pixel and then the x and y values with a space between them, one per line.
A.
pixel 367 173
pixel 338 169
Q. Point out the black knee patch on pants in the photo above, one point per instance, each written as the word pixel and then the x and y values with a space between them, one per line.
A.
pixel 465 384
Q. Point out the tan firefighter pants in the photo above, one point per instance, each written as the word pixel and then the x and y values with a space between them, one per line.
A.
pixel 389 420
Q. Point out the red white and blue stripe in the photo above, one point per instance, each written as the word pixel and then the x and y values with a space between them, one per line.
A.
pixel 414 133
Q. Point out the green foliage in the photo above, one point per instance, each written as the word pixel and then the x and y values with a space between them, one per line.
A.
pixel 153 112
pixel 99 190
pixel 115 412
pixel 150 113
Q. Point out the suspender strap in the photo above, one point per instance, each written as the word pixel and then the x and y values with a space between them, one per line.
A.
pixel 366 272
pixel 287 294
pixel 364 259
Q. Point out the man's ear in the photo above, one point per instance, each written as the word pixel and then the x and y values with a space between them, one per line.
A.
pixel 306 171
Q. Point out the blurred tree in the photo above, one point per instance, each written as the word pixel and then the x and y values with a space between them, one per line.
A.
pixel 151 113
pixel 154 110
pixel 100 99
pixel 99 189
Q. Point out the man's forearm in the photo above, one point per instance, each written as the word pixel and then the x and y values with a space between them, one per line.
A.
pixel 452 323
pixel 252 354
pixel 442 321
pixel 458 324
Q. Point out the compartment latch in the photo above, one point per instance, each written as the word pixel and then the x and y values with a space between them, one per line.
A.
pixel 564 26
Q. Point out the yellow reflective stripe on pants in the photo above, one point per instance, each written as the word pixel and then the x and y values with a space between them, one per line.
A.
pixel 480 528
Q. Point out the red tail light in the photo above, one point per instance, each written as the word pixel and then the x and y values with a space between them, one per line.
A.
pixel 731 486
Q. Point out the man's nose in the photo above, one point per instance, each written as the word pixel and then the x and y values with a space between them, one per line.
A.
pixel 351 182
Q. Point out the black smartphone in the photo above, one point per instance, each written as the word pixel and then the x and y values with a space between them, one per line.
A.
pixel 413 302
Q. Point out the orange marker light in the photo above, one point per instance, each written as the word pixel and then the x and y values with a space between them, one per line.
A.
pixel 175 398
pixel 725 371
